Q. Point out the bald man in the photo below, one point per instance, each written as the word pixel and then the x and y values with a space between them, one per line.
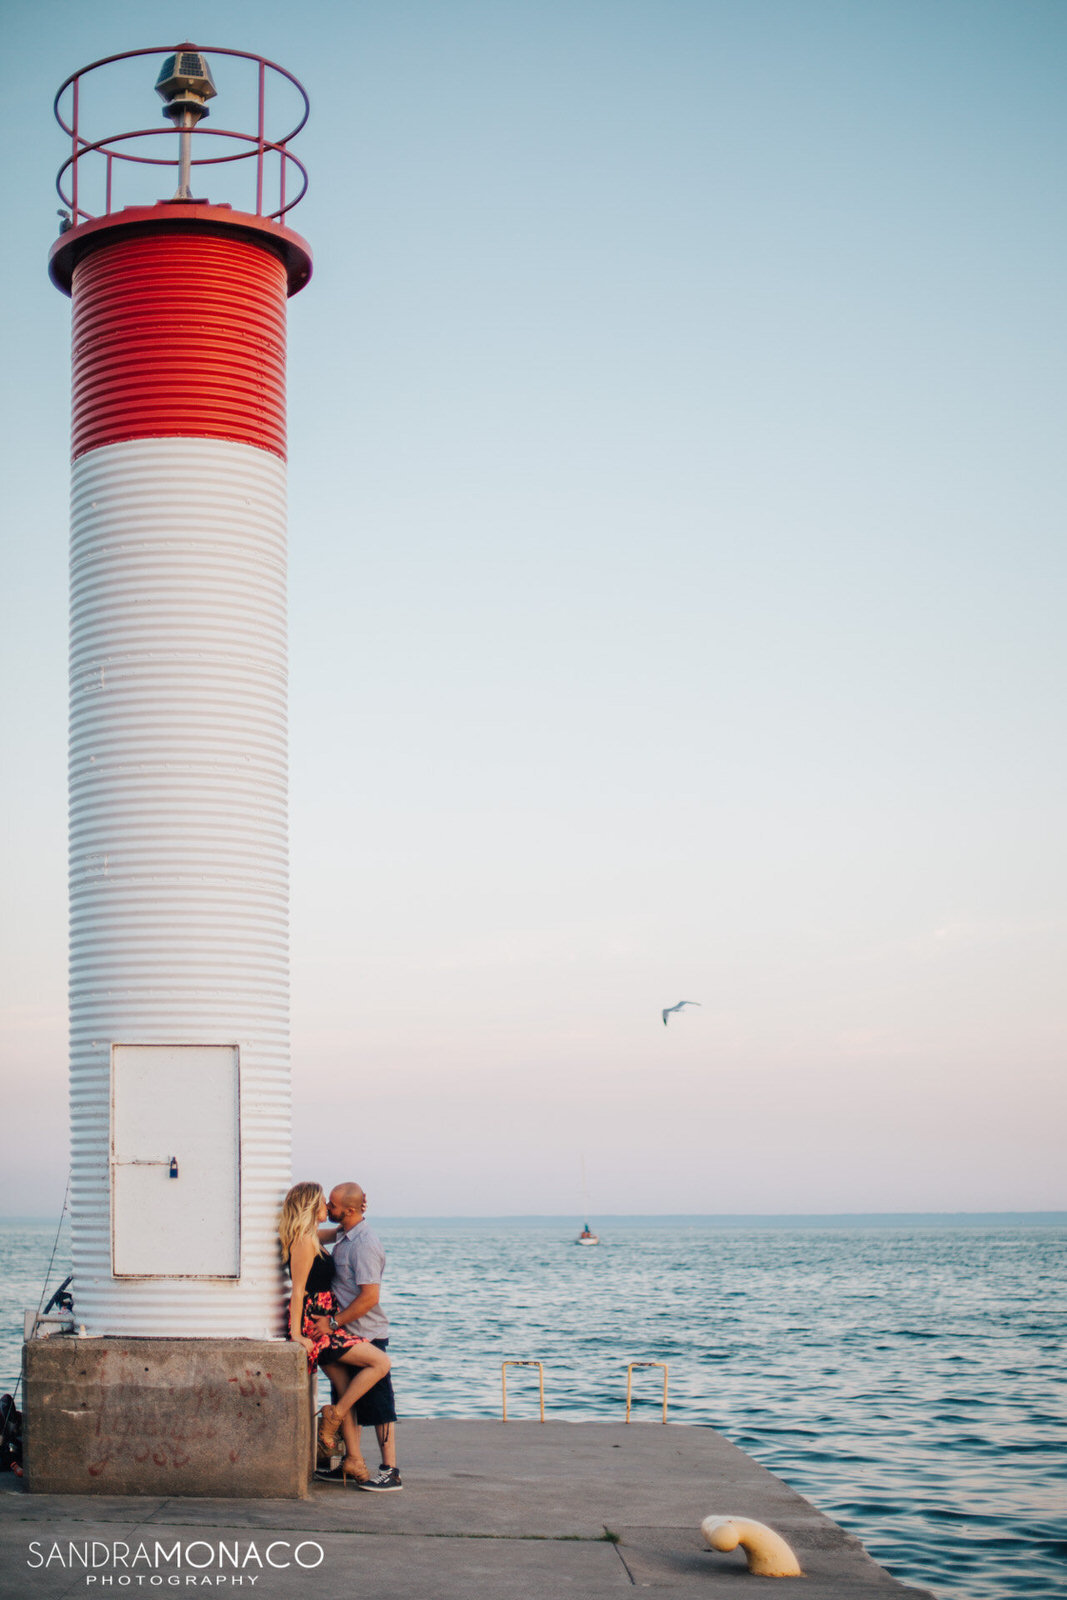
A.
pixel 358 1264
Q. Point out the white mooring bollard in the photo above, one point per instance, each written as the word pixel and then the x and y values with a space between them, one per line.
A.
pixel 767 1553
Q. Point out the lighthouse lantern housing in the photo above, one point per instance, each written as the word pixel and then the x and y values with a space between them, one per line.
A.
pixel 186 84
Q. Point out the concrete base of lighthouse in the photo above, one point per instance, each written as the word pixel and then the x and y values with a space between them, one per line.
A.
pixel 226 1418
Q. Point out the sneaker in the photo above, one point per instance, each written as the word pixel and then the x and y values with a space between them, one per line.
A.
pixel 388 1479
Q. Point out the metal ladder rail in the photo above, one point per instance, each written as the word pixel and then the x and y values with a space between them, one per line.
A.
pixel 504 1365
pixel 630 1379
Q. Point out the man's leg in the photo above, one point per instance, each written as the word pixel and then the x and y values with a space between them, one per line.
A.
pixel 386 1432
pixel 377 1408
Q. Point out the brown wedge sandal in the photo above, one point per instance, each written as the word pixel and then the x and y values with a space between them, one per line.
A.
pixel 329 1427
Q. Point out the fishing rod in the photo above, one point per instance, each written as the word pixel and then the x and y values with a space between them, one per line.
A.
pixel 61 1300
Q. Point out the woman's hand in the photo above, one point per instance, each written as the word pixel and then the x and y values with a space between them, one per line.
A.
pixel 309 1344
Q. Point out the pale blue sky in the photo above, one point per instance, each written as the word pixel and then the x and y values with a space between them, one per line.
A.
pixel 677 489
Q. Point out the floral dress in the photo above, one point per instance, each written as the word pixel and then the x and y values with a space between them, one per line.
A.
pixel 320 1301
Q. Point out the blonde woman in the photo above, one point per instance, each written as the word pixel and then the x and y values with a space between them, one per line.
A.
pixel 301 1231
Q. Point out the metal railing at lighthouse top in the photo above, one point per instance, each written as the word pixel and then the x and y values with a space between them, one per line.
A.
pixel 94 155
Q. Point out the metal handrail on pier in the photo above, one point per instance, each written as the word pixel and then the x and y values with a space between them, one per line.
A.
pixel 630 1379
pixel 504 1382
pixel 504 1365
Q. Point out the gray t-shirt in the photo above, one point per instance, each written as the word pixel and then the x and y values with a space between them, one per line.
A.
pixel 358 1258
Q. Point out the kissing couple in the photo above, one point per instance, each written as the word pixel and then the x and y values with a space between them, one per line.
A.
pixel 335 1313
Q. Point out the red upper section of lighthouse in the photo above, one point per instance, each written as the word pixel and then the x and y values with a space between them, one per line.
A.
pixel 179 304
pixel 179 333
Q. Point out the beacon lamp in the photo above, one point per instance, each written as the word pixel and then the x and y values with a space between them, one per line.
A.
pixel 186 84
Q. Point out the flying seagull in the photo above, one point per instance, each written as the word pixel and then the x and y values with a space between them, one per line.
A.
pixel 678 1007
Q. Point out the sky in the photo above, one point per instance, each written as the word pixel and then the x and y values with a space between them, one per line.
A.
pixel 676 502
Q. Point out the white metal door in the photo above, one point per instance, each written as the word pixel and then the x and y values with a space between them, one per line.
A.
pixel 175 1161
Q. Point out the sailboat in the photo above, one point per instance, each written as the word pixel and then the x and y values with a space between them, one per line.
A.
pixel 587 1236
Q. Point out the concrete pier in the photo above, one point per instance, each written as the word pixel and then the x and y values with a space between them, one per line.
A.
pixel 489 1511
pixel 225 1417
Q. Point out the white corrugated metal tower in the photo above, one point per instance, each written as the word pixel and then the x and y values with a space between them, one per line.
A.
pixel 180 1085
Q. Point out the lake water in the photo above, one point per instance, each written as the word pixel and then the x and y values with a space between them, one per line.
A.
pixel 909 1380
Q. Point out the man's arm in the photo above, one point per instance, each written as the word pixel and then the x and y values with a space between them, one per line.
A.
pixel 367 1298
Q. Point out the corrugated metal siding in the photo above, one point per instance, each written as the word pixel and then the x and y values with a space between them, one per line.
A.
pixel 179 835
pixel 179 335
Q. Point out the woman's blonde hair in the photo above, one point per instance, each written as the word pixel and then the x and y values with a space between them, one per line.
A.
pixel 300 1216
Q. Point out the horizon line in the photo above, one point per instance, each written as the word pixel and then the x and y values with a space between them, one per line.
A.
pixel 657 1216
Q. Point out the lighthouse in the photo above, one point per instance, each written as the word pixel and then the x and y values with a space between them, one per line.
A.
pixel 178 841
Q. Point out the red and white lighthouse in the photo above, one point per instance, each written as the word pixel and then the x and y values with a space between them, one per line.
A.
pixel 179 1075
